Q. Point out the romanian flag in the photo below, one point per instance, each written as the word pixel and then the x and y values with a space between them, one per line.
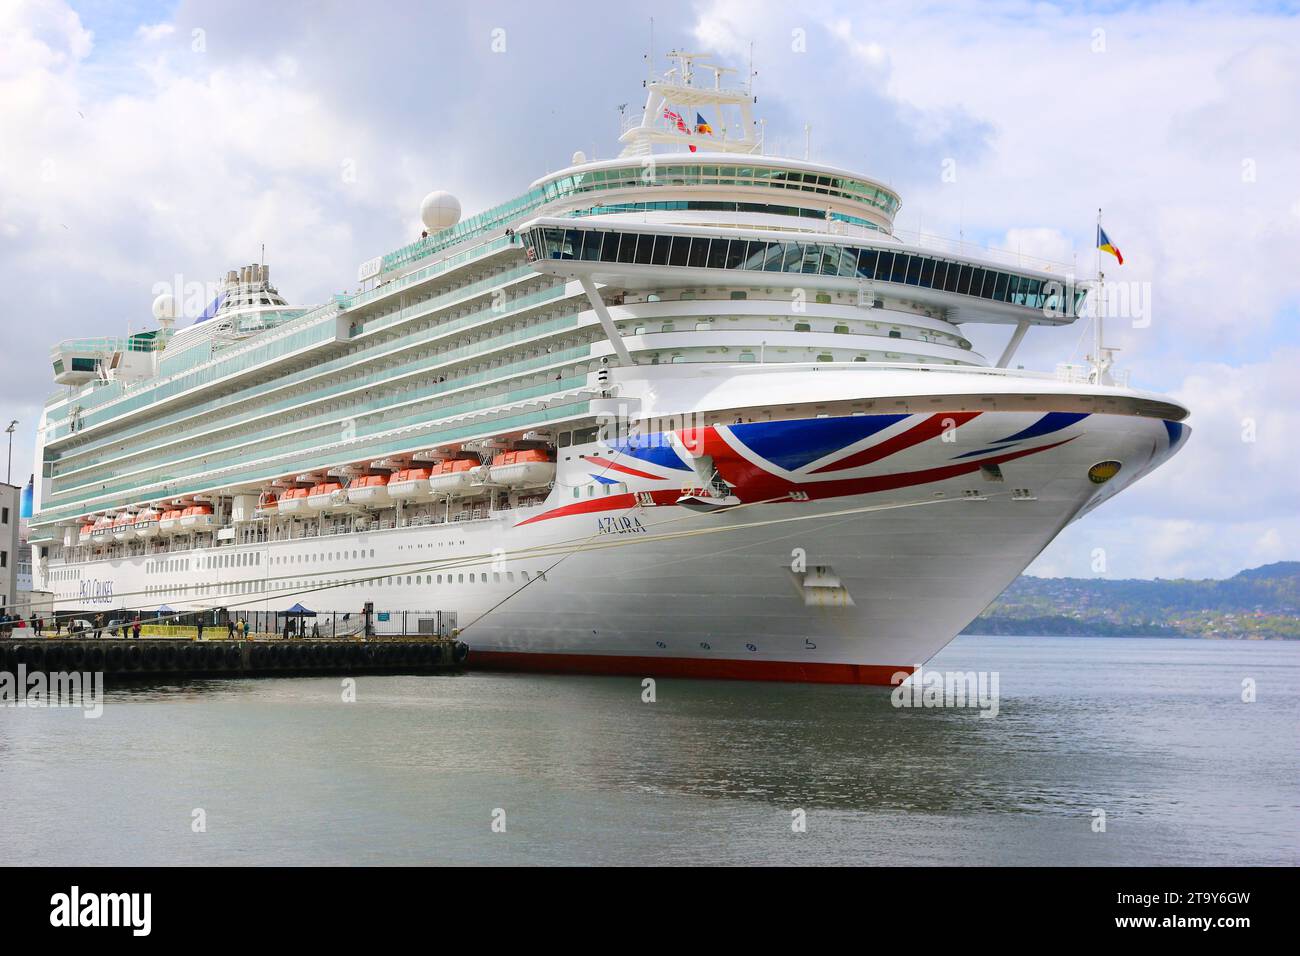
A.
pixel 702 125
pixel 1105 245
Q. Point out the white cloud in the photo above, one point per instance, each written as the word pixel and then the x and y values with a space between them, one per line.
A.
pixel 151 33
pixel 38 36
pixel 1226 501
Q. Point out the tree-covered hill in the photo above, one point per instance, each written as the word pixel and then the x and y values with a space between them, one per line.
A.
pixel 1260 603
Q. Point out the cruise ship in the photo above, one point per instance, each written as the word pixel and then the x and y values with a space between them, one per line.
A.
pixel 696 410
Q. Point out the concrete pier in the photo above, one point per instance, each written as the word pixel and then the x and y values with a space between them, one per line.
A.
pixel 119 657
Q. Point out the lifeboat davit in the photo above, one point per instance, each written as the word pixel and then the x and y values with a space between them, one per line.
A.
pixel 409 483
pixel 169 522
pixel 523 469
pixel 327 496
pixel 454 476
pixel 369 490
pixel 267 505
pixel 294 501
pixel 146 524
pixel 83 536
pixel 198 518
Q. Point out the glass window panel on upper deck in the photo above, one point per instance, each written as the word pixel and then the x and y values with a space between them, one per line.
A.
pixel 841 260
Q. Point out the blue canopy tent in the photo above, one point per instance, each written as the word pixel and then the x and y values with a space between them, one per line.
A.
pixel 295 623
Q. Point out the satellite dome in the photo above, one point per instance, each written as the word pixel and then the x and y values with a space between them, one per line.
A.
pixel 579 158
pixel 164 307
pixel 440 210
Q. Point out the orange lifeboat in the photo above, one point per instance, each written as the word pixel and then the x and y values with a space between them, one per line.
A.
pixel 370 490
pixel 328 495
pixel 293 501
pixel 454 476
pixel 529 468
pixel 169 522
pixel 409 483
pixel 197 518
pixel 83 536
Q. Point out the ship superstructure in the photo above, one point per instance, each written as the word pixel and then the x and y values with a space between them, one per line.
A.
pixel 695 409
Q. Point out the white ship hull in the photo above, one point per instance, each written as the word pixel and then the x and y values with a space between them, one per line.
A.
pixel 626 581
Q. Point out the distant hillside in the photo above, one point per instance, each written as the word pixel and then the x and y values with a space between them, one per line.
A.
pixel 1258 604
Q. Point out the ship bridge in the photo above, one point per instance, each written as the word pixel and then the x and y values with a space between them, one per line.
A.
pixel 663 256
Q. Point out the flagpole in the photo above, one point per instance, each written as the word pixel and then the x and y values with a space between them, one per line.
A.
pixel 1098 306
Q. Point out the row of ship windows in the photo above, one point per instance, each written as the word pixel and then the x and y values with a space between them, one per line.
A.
pixel 806 258
pixel 675 205
pixel 258 586
pixel 660 174
pixel 806 355
pixel 838 328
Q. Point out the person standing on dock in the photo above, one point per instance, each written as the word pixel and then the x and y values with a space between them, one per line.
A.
pixel 200 637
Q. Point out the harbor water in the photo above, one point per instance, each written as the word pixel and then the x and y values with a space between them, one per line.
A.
pixel 1151 736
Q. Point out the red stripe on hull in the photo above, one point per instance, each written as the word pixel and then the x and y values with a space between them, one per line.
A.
pixel 606 463
pixel 932 427
pixel 711 669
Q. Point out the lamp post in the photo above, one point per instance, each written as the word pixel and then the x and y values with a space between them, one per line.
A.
pixel 10 432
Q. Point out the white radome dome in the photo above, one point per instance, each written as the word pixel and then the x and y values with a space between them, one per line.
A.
pixel 164 307
pixel 439 210
pixel 579 158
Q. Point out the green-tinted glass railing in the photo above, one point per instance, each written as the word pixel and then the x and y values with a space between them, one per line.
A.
pixel 359 353
pixel 640 175
pixel 322 456
pixel 323 315
pixel 266 439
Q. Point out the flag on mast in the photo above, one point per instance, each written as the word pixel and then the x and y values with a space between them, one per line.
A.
pixel 680 124
pixel 1105 245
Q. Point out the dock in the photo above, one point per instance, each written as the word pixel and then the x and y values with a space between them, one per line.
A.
pixel 154 657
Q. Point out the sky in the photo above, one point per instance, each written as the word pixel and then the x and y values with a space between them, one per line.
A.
pixel 141 142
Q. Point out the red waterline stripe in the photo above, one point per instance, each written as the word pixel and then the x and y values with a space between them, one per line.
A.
pixel 711 669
